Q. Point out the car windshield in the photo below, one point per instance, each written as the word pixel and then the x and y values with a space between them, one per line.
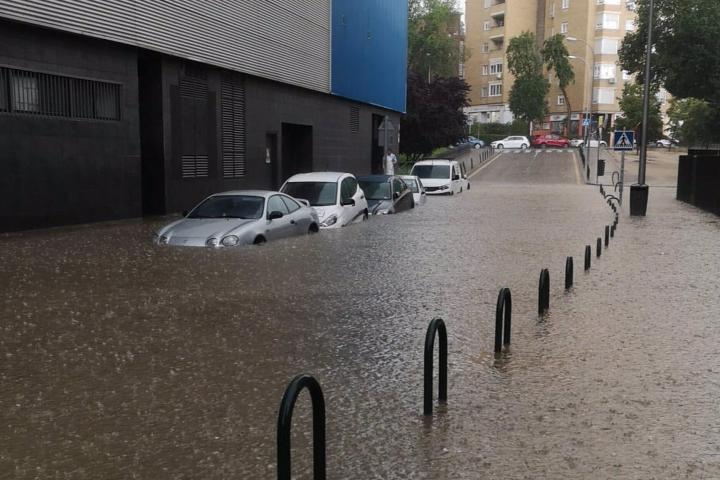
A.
pixel 412 184
pixel 376 190
pixel 431 171
pixel 230 206
pixel 319 194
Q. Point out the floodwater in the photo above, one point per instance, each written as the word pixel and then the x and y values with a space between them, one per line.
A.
pixel 125 360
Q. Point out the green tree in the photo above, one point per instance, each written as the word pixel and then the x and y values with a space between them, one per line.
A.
pixel 430 48
pixel 691 120
pixel 686 42
pixel 631 104
pixel 530 88
pixel 556 54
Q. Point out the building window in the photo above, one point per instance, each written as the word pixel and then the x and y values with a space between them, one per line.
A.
pixel 604 71
pixel 484 69
pixel 27 92
pixel 495 90
pixel 608 46
pixel 486 25
pixel 630 25
pixel 561 99
pixel 485 47
pixel 564 27
pixel 607 21
pixel 496 68
pixel 604 96
pixel 24 92
pixel 484 92
pixel 565 4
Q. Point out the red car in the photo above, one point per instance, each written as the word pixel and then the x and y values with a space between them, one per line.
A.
pixel 550 140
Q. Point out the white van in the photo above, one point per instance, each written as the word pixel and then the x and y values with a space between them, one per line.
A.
pixel 441 177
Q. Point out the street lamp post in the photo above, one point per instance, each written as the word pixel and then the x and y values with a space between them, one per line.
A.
pixel 639 192
pixel 590 93
pixel 587 108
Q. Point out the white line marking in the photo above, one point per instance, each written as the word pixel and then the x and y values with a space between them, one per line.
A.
pixel 497 155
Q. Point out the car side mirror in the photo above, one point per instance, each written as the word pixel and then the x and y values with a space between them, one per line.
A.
pixel 456 177
pixel 274 215
pixel 185 213
pixel 348 201
pixel 396 195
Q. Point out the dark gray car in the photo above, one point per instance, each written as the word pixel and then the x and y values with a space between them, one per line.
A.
pixel 386 194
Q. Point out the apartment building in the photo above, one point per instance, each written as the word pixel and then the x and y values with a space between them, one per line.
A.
pixel 594 30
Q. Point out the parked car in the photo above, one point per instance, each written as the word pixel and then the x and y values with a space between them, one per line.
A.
pixel 593 143
pixel 666 142
pixel 335 196
pixel 416 187
pixel 386 194
pixel 511 142
pixel 240 218
pixel 441 176
pixel 550 140
pixel 470 141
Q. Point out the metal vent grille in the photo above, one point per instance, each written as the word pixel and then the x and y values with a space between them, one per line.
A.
pixel 232 91
pixel 194 166
pixel 192 87
pixel 354 119
pixel 34 93
pixel 196 71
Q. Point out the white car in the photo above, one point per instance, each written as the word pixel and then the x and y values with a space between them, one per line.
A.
pixel 416 187
pixel 440 177
pixel 335 196
pixel 511 142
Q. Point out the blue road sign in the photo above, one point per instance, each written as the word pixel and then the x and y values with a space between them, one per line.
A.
pixel 624 140
pixel 586 122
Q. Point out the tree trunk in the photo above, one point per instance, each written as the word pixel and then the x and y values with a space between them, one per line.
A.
pixel 569 113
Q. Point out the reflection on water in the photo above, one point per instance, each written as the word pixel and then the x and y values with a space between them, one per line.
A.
pixel 121 359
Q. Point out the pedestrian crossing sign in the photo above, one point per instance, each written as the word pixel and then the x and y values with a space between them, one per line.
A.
pixel 624 140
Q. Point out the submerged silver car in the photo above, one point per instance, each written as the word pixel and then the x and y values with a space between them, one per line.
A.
pixel 240 218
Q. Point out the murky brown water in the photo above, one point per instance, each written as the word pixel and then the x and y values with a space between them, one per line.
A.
pixel 124 360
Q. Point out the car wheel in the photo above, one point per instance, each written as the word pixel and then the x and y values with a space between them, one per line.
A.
pixel 524 146
pixel 500 146
pixel 477 146
pixel 412 204
pixel 313 229
pixel 366 215
pixel 259 240
pixel 452 192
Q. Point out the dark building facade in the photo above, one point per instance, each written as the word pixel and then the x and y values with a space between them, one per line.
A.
pixel 98 128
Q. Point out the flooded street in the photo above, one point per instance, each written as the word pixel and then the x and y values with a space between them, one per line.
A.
pixel 125 360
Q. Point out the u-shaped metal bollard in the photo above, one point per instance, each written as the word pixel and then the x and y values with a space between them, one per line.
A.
pixel 568 272
pixel 544 291
pixel 503 319
pixel 588 256
pixel 436 325
pixel 285 422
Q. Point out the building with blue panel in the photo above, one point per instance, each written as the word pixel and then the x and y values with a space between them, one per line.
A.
pixel 369 51
pixel 142 108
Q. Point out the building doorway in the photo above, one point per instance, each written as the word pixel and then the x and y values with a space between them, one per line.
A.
pixel 151 134
pixel 297 151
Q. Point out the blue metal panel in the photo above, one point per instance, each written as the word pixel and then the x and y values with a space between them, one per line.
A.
pixel 369 51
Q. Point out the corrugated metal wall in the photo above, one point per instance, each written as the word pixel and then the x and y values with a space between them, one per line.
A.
pixel 369 51
pixel 287 41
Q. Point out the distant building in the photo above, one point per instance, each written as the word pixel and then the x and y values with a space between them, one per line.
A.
pixel 122 108
pixel 590 25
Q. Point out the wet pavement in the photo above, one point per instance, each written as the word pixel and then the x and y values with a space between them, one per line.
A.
pixel 124 360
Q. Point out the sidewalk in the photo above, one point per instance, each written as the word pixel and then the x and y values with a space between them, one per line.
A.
pixel 661 170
